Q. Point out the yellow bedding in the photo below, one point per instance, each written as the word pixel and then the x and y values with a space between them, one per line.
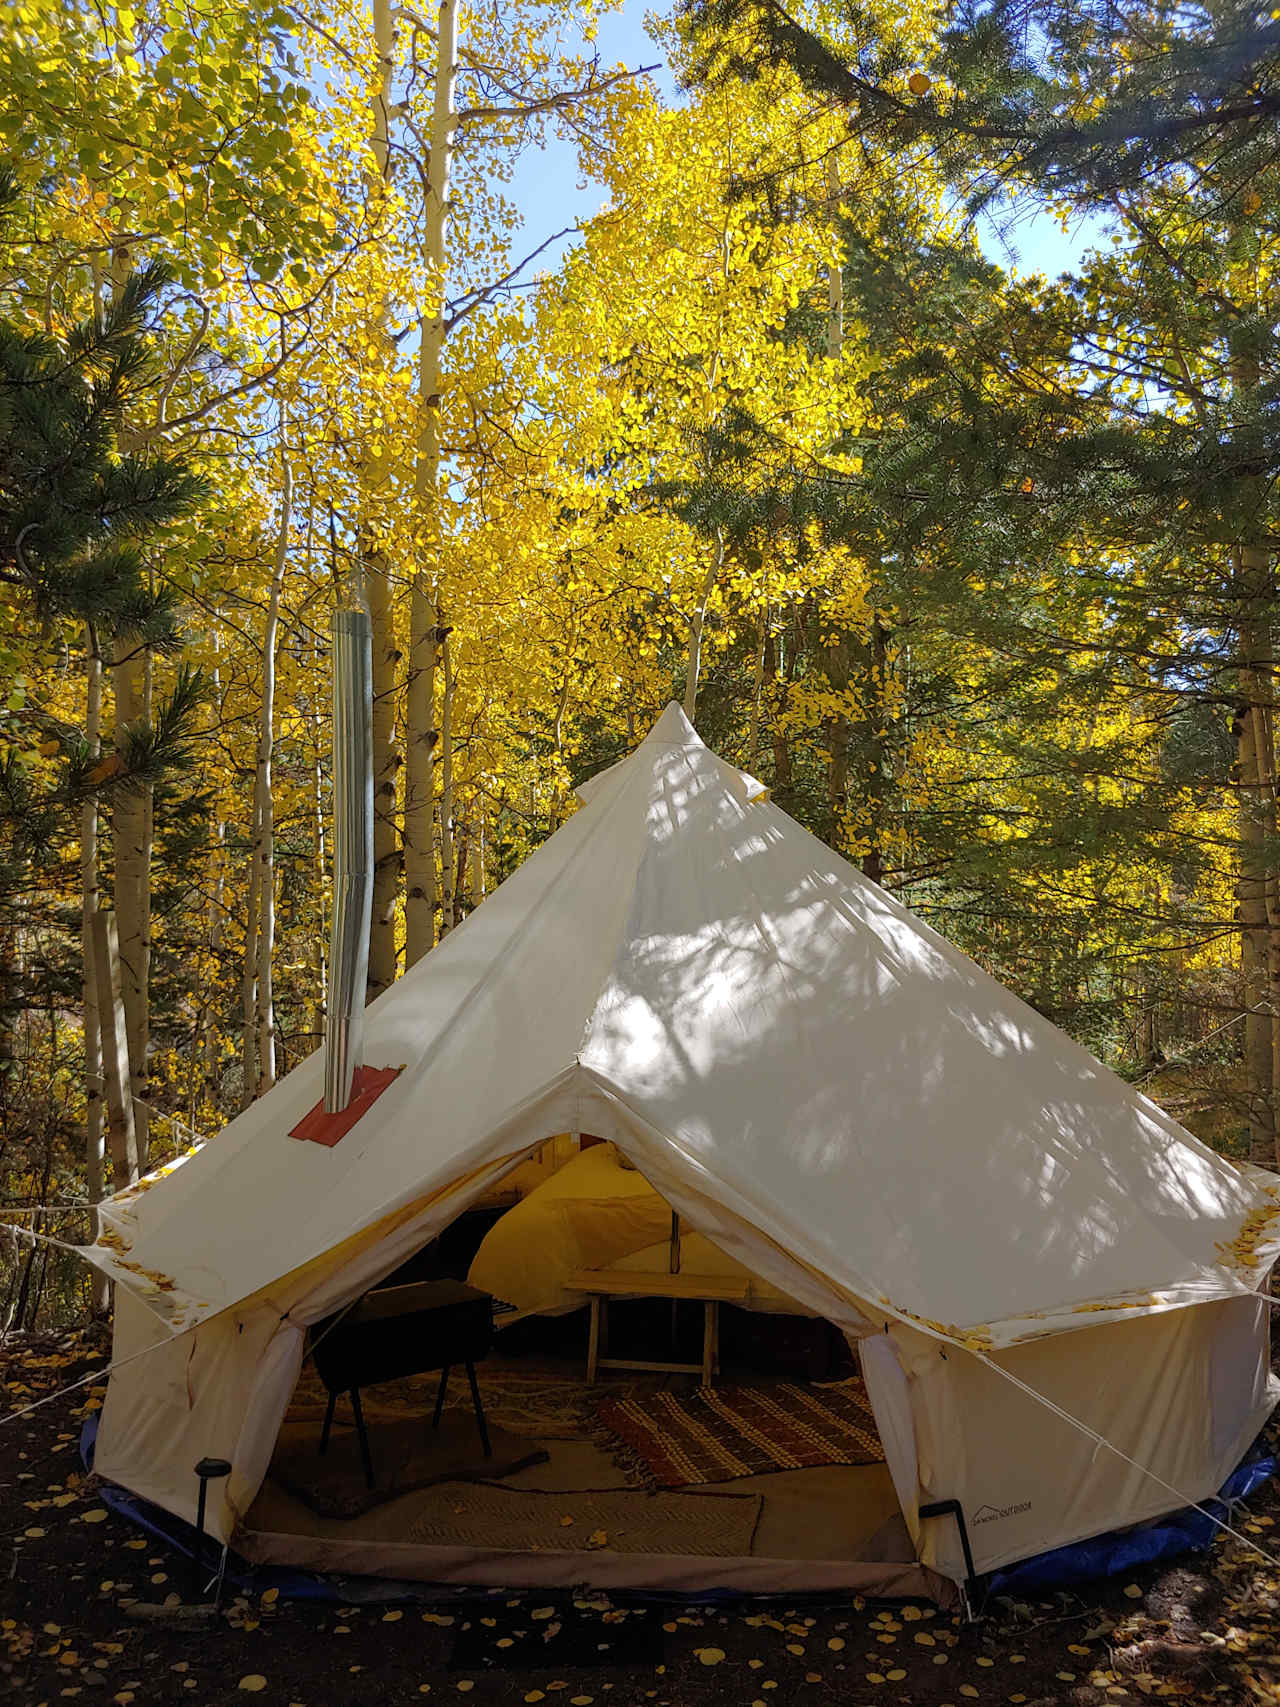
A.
pixel 594 1213
pixel 589 1214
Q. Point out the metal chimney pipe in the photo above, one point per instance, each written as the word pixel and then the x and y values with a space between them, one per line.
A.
pixel 352 852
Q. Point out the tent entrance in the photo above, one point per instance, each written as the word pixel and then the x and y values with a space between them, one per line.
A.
pixel 773 1479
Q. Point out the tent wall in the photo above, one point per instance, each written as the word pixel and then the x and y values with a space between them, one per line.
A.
pixel 221 1389
pixel 891 1400
pixel 1183 1393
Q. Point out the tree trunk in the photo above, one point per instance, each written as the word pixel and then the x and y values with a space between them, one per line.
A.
pixel 317 936
pixel 448 887
pixel 121 1131
pixel 877 778
pixel 782 776
pixel 386 766
pixel 694 661
pixel 424 620
pixel 131 834
pixel 131 825
pixel 839 733
pixel 835 268
pixel 462 852
pixel 207 1054
pixel 386 763
pixel 1252 565
pixel 264 845
pixel 477 858
pixel 1264 745
pixel 95 1153
pixel 249 1065
pixel 1251 898
pixel 757 688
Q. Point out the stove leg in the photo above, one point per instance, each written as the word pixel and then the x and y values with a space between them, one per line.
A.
pixel 475 1400
pixel 440 1393
pixel 328 1422
pixel 365 1455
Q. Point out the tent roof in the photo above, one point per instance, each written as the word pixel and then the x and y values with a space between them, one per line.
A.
pixel 768 1032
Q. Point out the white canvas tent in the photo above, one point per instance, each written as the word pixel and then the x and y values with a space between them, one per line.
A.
pixel 819 1083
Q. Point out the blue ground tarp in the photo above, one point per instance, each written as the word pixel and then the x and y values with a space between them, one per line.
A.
pixel 1125 1550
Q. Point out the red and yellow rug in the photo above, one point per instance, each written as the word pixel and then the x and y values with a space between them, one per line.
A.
pixel 677 1440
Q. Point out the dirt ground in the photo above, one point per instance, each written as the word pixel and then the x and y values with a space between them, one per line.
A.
pixel 1205 1630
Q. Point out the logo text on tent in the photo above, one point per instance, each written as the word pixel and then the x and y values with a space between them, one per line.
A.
pixel 990 1513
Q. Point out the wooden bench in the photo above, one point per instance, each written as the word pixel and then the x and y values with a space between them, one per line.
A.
pixel 599 1285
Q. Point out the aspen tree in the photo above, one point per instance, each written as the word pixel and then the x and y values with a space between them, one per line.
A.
pixel 421 734
pixel 377 577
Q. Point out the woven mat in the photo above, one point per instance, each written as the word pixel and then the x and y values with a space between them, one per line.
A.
pixel 407 1455
pixel 623 1520
pixel 676 1440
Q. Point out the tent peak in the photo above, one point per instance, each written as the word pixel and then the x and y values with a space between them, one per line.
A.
pixel 673 729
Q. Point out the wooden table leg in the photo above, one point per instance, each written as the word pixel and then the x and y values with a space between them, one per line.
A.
pixel 593 1341
pixel 710 1339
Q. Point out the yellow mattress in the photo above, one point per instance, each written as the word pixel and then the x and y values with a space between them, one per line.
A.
pixel 594 1213
pixel 589 1214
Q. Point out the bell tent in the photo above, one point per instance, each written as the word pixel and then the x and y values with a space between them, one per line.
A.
pixel 1031 1255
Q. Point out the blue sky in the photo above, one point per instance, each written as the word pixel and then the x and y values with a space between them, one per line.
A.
pixel 550 195
pixel 547 190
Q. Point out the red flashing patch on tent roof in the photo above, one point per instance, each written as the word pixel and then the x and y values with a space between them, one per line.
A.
pixel 320 1128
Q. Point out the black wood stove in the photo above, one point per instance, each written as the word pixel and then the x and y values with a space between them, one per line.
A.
pixel 399 1331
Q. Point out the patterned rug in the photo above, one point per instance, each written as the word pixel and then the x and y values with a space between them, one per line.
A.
pixel 677 1440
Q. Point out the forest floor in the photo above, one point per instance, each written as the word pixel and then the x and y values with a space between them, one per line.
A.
pixel 1205 1630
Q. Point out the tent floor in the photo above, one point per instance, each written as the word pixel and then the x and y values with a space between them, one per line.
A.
pixel 826 1527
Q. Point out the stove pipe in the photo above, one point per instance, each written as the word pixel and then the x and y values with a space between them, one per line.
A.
pixel 352 852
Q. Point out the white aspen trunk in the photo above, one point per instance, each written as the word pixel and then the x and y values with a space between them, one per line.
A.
pixel 386 768
pixel 448 875
pixel 208 1051
pixel 249 970
pixel 264 848
pixel 121 1131
pixel 95 1091
pixel 694 660
pixel 320 1005
pixel 94 1137
pixel 838 665
pixel 386 762
pixel 130 824
pixel 835 268
pixel 461 858
pixel 424 617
